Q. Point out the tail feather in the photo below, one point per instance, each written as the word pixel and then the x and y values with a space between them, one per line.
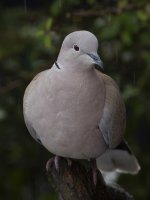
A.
pixel 119 159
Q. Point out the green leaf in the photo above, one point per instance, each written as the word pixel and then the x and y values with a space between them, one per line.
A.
pixel 143 16
pixel 39 33
pixel 48 24
pixel 47 41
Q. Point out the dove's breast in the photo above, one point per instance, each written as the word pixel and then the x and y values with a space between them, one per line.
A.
pixel 65 113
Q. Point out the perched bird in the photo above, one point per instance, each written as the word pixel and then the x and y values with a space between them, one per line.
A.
pixel 76 111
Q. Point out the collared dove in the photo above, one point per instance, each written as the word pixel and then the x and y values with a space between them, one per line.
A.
pixel 76 111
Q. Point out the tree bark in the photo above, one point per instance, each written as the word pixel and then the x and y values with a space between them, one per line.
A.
pixel 75 182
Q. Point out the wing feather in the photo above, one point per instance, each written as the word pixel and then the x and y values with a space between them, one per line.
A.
pixel 113 121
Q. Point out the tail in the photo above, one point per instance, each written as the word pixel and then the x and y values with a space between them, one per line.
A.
pixel 120 159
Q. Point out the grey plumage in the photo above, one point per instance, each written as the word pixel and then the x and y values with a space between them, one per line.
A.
pixel 74 110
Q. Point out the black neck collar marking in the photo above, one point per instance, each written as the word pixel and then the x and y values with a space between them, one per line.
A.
pixel 57 65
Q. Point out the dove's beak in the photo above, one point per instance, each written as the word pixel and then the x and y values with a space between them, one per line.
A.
pixel 96 59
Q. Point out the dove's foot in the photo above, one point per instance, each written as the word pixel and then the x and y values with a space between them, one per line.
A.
pixel 55 161
pixel 96 174
pixel 69 162
pixel 94 171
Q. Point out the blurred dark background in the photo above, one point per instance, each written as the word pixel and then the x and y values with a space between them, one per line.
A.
pixel 31 32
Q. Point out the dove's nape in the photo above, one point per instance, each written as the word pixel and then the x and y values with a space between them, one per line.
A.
pixel 74 110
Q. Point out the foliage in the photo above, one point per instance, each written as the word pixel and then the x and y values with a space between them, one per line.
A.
pixel 31 35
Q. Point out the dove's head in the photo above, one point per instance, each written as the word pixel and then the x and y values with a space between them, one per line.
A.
pixel 79 52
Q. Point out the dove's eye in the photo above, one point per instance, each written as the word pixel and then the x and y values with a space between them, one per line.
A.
pixel 76 48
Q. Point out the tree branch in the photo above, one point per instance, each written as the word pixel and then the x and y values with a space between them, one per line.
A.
pixel 104 10
pixel 75 183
